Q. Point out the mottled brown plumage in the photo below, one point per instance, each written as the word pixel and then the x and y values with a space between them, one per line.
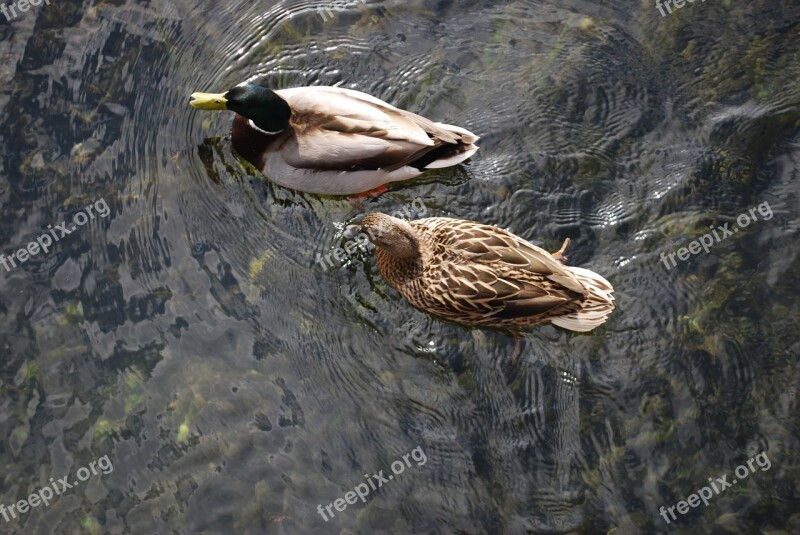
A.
pixel 483 276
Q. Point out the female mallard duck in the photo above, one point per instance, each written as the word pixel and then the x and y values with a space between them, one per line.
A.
pixel 483 276
pixel 334 141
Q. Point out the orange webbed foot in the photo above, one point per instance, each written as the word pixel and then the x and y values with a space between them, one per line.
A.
pixel 357 201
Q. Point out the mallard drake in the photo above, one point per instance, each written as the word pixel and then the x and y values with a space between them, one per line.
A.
pixel 334 141
pixel 483 276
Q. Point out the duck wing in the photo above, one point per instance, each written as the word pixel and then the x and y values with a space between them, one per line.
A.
pixel 475 289
pixel 338 128
pixel 498 274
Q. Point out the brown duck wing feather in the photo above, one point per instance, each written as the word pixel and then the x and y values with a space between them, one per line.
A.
pixel 490 275
pixel 315 148
pixel 337 128
pixel 345 110
pixel 499 248
pixel 483 291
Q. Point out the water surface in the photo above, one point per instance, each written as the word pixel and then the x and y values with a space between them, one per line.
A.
pixel 236 385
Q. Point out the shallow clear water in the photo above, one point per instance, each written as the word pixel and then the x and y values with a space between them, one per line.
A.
pixel 191 336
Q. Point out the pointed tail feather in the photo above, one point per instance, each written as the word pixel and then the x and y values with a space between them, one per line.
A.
pixel 456 158
pixel 448 155
pixel 467 137
pixel 597 305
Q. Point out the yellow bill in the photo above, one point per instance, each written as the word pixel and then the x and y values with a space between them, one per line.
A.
pixel 208 101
